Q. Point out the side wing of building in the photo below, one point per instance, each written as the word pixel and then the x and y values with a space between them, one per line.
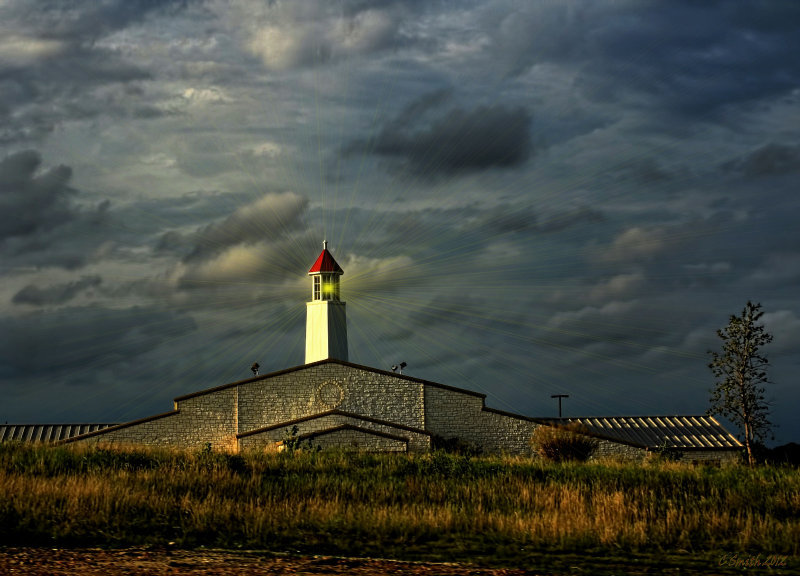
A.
pixel 455 413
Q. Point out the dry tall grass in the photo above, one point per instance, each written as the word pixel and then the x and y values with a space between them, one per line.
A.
pixel 431 506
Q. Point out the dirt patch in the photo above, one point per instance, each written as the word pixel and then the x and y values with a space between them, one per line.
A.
pixel 146 561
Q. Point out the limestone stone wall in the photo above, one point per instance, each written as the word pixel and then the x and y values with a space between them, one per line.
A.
pixel 361 440
pixel 325 387
pixel 607 450
pixel 199 420
pixel 709 456
pixel 217 415
pixel 162 430
pixel 453 414
pixel 614 450
pixel 416 441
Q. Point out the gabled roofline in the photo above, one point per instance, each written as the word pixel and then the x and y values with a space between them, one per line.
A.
pixel 334 412
pixel 329 361
pixel 510 414
pixel 327 431
pixel 120 426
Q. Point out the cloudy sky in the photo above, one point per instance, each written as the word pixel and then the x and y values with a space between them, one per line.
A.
pixel 527 198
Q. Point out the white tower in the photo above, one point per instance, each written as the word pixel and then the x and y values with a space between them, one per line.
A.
pixel 326 323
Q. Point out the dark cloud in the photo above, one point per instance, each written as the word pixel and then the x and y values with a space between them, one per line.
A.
pixel 76 339
pixel 78 83
pixel 416 110
pixel 476 225
pixel 269 218
pixel 31 201
pixel 460 142
pixel 644 171
pixel 41 224
pixel 87 20
pixel 767 160
pixel 505 219
pixel 173 241
pixel 58 70
pixel 56 293
pixel 692 58
pixel 253 250
pixel 563 220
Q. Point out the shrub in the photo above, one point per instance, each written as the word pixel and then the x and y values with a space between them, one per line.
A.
pixel 563 443
pixel 455 445
pixel 664 452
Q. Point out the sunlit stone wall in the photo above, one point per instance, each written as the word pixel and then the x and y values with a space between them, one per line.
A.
pixel 352 439
pixel 272 437
pixel 197 421
pixel 324 387
pixel 451 413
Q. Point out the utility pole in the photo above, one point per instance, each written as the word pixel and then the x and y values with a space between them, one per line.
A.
pixel 559 396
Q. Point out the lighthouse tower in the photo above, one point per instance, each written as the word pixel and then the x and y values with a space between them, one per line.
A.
pixel 326 323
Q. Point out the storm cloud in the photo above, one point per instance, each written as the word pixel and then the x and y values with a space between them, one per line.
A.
pixel 458 142
pixel 767 160
pixel 78 337
pixel 41 222
pixel 32 201
pixel 55 66
pixel 746 50
pixel 271 217
pixel 56 293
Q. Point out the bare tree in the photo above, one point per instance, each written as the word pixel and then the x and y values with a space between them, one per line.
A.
pixel 741 373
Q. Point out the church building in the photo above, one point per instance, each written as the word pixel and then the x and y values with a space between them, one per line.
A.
pixel 329 402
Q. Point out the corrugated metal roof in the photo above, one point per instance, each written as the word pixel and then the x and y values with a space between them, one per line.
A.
pixel 45 432
pixel 679 432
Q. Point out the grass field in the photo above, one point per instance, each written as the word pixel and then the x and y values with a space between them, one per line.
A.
pixel 494 511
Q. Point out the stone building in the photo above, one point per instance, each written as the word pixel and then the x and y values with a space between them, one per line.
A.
pixel 330 402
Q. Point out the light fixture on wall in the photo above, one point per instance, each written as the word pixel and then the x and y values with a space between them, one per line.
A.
pixel 400 367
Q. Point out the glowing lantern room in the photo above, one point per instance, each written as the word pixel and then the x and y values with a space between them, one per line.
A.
pixel 326 323
pixel 325 276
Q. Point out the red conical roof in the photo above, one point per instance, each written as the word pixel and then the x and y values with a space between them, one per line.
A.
pixel 325 263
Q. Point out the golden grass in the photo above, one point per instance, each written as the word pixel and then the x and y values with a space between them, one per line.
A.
pixel 430 506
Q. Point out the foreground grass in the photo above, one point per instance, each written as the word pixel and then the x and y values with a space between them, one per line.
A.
pixel 433 507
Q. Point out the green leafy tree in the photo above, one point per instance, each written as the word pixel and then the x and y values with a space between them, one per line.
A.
pixel 740 370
